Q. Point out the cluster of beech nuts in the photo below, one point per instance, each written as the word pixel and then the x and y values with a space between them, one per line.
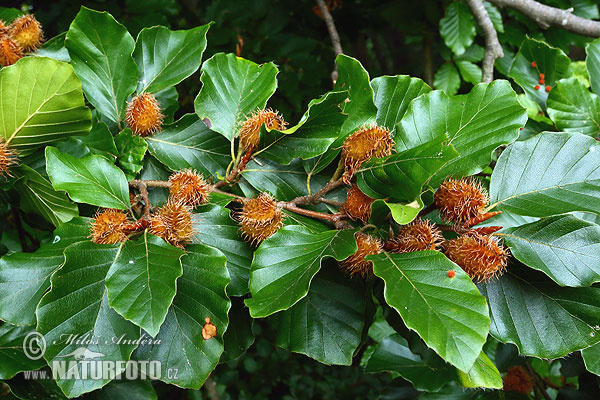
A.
pixel 461 202
pixel 23 36
pixel 172 222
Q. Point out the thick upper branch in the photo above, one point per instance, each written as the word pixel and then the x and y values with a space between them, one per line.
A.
pixel 546 16
pixel 493 49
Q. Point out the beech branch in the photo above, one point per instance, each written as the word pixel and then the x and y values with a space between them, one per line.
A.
pixel 493 49
pixel 336 219
pixel 333 34
pixel 546 16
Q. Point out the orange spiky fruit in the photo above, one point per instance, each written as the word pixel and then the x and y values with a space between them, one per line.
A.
pixel 189 188
pixel 481 257
pixel 364 144
pixel 8 158
pixel 356 265
pixel 27 32
pixel 109 227
pixel 517 380
pixel 250 129
pixel 358 204
pixel 173 223
pixel 260 218
pixel 416 236
pixel 143 115
pixel 10 51
pixel 459 200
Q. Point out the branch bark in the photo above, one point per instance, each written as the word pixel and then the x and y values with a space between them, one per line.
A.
pixel 493 49
pixel 333 33
pixel 546 16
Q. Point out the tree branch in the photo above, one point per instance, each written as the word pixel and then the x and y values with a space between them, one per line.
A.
pixel 333 33
pixel 546 16
pixel 493 50
pixel 316 198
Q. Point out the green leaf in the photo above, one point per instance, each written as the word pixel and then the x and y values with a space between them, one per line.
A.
pixel 470 72
pixel 317 130
pixel 490 116
pixel 38 196
pixel 495 16
pixel 543 319
pixel 189 143
pixel 232 88
pixel 448 313
pixel 484 374
pixel 361 108
pixel 25 277
pixel 400 177
pixel 573 108
pixel 132 149
pixel 141 282
pixel 552 62
pixel 216 228
pixel 447 79
pixel 393 354
pixel 8 15
pixel 54 48
pixel 405 213
pixel 327 323
pixel 40 389
pixel 534 111
pixel 41 102
pixel 99 142
pixel 165 57
pixel 557 173
pixel 200 295
pixel 14 358
pixel 92 179
pixel 285 182
pixel 578 70
pixel 425 121
pixel 125 390
pixel 77 304
pixel 457 28
pixel 592 61
pixel 393 94
pixel 100 49
pixel 285 264
pixel 565 248
pixel 591 358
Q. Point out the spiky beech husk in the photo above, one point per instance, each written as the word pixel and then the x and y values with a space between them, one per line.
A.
pixel 364 144
pixel 358 204
pixel 517 380
pixel 481 257
pixel 416 236
pixel 356 265
pixel 143 115
pixel 250 129
pixel 109 227
pixel 459 200
pixel 260 218
pixel 8 158
pixel 173 223
pixel 209 330
pixel 189 188
pixel 27 32
pixel 10 51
